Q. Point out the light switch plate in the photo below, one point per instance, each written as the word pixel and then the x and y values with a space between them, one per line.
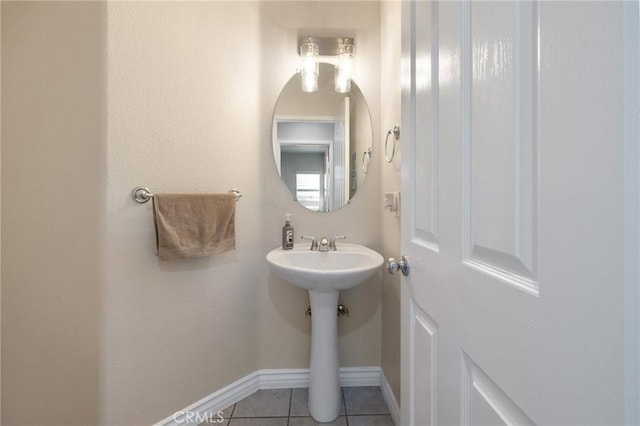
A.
pixel 392 202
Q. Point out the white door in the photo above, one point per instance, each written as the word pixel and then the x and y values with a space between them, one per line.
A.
pixel 512 213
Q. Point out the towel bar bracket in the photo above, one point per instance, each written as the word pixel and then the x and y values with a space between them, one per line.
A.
pixel 235 192
pixel 141 195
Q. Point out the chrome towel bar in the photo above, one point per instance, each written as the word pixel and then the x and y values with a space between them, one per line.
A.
pixel 141 194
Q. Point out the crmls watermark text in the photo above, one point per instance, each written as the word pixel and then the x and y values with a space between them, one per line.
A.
pixel 192 417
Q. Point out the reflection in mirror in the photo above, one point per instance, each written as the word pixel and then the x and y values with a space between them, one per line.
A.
pixel 322 142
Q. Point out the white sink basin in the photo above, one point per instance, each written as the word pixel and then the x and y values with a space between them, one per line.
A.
pixel 350 265
pixel 324 274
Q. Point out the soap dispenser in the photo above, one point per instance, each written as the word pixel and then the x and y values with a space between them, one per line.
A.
pixel 287 234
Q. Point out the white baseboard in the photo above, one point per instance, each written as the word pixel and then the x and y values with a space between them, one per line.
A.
pixel 210 405
pixel 283 378
pixel 359 376
pixel 390 398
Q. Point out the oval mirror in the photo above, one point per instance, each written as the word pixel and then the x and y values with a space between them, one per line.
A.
pixel 322 142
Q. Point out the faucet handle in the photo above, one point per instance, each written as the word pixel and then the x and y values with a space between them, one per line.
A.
pixel 314 241
pixel 332 242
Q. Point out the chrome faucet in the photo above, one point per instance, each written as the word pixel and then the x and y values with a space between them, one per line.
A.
pixel 325 244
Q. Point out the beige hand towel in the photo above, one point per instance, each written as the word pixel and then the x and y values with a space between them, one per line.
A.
pixel 194 225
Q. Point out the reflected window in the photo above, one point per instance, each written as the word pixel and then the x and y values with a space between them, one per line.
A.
pixel 309 190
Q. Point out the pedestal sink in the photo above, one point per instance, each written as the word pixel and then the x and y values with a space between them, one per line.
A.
pixel 324 274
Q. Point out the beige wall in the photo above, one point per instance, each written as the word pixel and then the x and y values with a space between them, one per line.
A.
pixel 53 162
pixel 192 87
pixel 390 225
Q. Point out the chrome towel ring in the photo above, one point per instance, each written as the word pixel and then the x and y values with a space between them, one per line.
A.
pixel 366 157
pixel 396 137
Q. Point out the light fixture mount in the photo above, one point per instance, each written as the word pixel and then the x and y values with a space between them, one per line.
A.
pixel 329 46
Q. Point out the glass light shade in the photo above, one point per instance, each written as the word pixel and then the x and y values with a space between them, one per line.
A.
pixel 342 72
pixel 309 81
pixel 309 69
pixel 341 80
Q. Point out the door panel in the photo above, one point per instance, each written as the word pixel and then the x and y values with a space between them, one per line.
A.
pixel 425 154
pixel 512 213
pixel 499 79
pixel 423 366
pixel 484 403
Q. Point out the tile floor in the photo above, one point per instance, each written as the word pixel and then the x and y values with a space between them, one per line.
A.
pixel 361 406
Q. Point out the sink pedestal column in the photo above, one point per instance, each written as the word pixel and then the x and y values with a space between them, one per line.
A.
pixel 324 377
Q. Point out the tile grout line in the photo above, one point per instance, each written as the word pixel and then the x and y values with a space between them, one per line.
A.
pixel 290 402
pixel 233 410
pixel 344 402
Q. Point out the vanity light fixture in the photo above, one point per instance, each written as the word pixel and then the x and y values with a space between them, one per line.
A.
pixel 309 67
pixel 338 50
